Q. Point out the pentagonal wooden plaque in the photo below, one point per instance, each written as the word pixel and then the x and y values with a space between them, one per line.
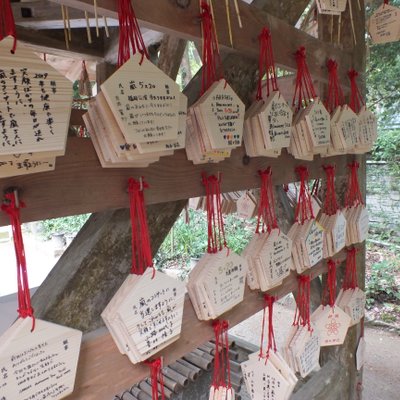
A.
pixel 276 119
pixel 40 364
pixel 35 104
pixel 384 24
pixel 332 324
pixel 144 101
pixel 223 114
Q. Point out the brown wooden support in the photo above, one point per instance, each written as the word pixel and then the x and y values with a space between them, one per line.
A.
pixel 79 184
pixel 184 23
pixel 103 371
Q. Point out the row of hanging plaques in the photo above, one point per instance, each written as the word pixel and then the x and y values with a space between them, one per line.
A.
pixel 140 115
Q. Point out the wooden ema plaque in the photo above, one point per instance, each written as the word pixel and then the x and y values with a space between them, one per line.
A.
pixel 35 104
pixel 268 126
pixel 331 7
pixel 144 101
pixel 276 120
pixel 368 130
pixel 352 301
pixel 269 260
pixel 268 379
pixel 223 115
pixel 332 324
pixel 22 164
pixel 357 224
pixel 145 315
pixel 40 364
pixel 214 124
pixel 384 24
pixel 246 205
pixel 334 233
pixel 302 349
pixel 308 243
pixel 311 131
pixel 216 284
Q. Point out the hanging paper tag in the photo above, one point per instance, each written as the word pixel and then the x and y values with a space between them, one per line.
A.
pixel 384 24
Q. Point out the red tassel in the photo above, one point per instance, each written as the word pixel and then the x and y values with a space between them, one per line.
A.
pixel 11 207
pixel 141 248
pixel 130 37
pixel 7 23
pixel 157 382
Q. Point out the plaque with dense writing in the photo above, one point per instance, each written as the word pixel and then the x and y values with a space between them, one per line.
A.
pixel 40 364
pixel 276 120
pixel 216 284
pixel 144 100
pixel 35 104
pixel 223 116
pixel 145 314
pixel 384 24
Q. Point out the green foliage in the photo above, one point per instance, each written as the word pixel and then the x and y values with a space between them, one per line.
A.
pixel 186 241
pixel 387 148
pixel 66 225
pixel 383 94
pixel 381 284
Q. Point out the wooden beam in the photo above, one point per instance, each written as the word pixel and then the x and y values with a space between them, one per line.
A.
pixel 80 185
pixel 104 372
pixel 53 42
pixel 47 15
pixel 289 10
pixel 184 23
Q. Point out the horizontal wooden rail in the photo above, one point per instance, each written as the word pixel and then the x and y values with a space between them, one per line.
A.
pixel 80 185
pixel 104 372
pixel 184 22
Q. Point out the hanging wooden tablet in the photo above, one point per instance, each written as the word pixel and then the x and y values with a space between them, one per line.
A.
pixel 216 283
pixel 330 320
pixel 145 315
pixel 221 387
pixel 268 121
pixel 351 298
pixel 332 219
pixel 38 364
pixel 311 123
pixel 355 211
pixel 266 373
pixel 384 24
pixel 268 254
pixel 22 164
pixel 215 121
pixel 144 101
pixel 331 7
pixel 306 233
pixel 38 359
pixel 302 347
pixel 246 205
pixel 35 103
pixel 367 121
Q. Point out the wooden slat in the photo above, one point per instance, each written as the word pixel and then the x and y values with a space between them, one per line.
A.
pixel 104 372
pixel 53 42
pixel 80 185
pixel 184 23
pixel 76 117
